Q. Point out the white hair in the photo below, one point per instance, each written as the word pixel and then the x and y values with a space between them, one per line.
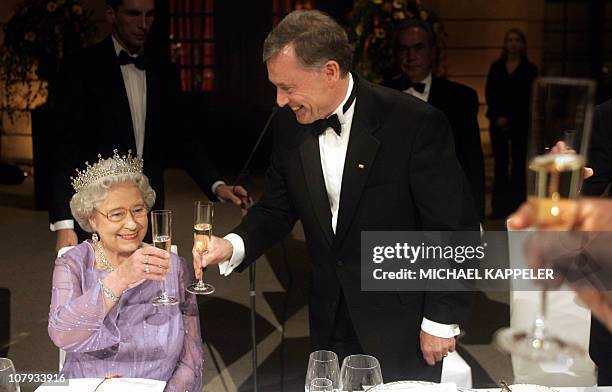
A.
pixel 83 202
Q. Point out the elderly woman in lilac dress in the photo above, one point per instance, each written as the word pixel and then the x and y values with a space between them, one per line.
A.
pixel 101 312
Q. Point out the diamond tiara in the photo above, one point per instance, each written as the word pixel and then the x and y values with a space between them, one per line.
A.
pixel 106 167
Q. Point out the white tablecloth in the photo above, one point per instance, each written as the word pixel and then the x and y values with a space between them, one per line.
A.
pixel 560 389
pixel 114 385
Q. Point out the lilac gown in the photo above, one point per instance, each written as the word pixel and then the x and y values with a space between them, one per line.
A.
pixel 135 339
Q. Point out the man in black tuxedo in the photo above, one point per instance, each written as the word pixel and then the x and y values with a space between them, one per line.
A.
pixel 110 96
pixel 600 184
pixel 415 51
pixel 350 156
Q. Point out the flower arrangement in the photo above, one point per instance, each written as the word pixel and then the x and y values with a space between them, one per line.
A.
pixel 36 38
pixel 371 27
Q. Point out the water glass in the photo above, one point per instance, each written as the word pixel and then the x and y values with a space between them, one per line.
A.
pixel 323 364
pixel 360 373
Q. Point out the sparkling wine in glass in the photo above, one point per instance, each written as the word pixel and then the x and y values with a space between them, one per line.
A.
pixel 202 233
pixel 161 226
pixel 359 373
pixel 561 119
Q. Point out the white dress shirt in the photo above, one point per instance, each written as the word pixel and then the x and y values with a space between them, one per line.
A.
pixel 424 96
pixel 135 82
pixel 333 153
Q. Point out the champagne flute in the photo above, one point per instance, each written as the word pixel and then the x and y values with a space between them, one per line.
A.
pixel 323 364
pixel 8 383
pixel 161 227
pixel 561 119
pixel 202 232
pixel 359 373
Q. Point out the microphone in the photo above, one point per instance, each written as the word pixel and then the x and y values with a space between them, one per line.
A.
pixel 248 203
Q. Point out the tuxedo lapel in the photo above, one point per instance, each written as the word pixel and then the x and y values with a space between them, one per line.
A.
pixel 434 92
pixel 153 92
pixel 362 149
pixel 315 182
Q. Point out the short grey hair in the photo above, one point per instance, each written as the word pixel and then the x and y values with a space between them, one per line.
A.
pixel 84 202
pixel 315 37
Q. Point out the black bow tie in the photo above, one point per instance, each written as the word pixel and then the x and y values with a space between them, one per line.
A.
pixel 332 121
pixel 419 87
pixel 138 61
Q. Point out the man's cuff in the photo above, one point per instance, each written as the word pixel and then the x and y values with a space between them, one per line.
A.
pixel 61 225
pixel 214 187
pixel 228 266
pixel 440 330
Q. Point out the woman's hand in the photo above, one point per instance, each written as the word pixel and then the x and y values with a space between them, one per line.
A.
pixel 145 263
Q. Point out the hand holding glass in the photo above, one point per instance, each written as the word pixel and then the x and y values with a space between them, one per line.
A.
pixel 561 117
pixel 202 232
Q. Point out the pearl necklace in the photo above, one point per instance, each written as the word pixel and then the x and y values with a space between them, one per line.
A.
pixel 104 264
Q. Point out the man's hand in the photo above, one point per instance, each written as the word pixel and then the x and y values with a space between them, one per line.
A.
pixel 219 250
pixel 235 194
pixel 434 348
pixel 65 237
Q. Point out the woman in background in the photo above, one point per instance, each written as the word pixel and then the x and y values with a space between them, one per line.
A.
pixel 508 93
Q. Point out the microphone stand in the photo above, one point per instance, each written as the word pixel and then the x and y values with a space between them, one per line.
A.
pixel 252 270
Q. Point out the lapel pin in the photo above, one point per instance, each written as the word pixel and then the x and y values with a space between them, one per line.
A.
pixel 361 166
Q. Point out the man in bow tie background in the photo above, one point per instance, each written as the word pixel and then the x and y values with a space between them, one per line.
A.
pixel 415 53
pixel 111 96
pixel 390 166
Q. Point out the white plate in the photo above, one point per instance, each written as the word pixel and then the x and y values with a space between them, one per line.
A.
pixel 399 385
pixel 531 388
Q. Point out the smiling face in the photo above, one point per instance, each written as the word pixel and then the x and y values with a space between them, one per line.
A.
pixel 311 94
pixel 414 53
pixel 132 22
pixel 120 238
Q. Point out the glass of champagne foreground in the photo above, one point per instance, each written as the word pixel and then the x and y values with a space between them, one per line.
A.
pixel 202 232
pixel 561 119
pixel 161 227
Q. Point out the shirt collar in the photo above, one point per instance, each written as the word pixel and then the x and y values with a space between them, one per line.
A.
pixel 342 117
pixel 119 47
pixel 425 94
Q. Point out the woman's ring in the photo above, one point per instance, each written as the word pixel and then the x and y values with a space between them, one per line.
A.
pixel 147 270
pixel 146 259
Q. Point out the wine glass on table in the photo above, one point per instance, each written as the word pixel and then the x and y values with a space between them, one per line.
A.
pixel 161 227
pixel 202 233
pixel 359 373
pixel 561 119
pixel 8 380
pixel 321 385
pixel 323 364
